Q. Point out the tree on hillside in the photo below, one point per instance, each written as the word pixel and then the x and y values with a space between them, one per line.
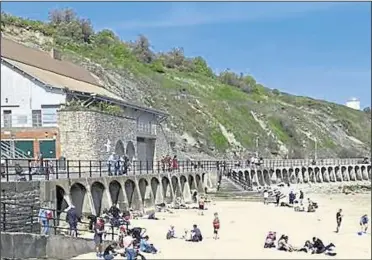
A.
pixel 367 109
pixel 201 66
pixel 141 49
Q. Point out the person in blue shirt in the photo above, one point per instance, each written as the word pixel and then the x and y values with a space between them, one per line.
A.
pixel 146 247
pixel 43 220
pixel 364 223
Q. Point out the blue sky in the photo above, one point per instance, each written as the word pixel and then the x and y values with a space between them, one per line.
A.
pixel 317 49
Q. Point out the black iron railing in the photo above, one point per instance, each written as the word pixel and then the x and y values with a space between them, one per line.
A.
pixel 48 169
pixel 16 217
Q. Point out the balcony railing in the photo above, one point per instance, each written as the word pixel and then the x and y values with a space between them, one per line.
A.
pixel 28 120
pixel 146 128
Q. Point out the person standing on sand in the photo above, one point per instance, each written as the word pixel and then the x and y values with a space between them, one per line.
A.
pixel 216 226
pixel 266 196
pixel 339 217
pixel 364 223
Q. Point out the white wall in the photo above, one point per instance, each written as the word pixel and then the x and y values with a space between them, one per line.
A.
pixel 17 90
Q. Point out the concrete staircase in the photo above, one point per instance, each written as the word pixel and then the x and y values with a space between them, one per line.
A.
pixel 232 190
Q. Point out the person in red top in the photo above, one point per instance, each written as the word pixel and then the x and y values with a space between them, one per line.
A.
pixel 175 163
pixel 216 226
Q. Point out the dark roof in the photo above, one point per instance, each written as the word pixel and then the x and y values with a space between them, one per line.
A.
pixel 43 60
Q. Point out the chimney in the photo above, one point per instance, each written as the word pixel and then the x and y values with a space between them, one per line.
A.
pixel 55 54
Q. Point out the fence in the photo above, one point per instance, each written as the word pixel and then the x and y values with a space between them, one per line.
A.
pixel 26 169
pixel 26 220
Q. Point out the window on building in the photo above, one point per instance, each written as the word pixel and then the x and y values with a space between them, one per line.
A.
pixel 21 120
pixel 49 115
pixel 7 117
pixel 36 118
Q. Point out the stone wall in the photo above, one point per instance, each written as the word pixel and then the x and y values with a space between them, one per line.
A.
pixel 32 246
pixel 18 217
pixel 93 135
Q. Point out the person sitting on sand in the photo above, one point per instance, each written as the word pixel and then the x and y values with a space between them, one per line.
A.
pixel 283 244
pixel 196 235
pixel 110 252
pixel 300 208
pixel 171 233
pixel 216 225
pixel 307 248
pixel 364 223
pixel 270 240
pixel 146 247
pixel 318 246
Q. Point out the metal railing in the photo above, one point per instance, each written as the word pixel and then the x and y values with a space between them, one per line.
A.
pixel 8 150
pixel 29 120
pixel 49 169
pixel 274 163
pixel 27 220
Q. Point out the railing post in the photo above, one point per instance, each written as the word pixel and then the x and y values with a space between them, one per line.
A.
pixel 54 221
pixel 79 165
pixel 46 170
pixel 158 167
pixel 32 219
pixel 90 168
pixel 112 233
pixel 100 168
pixel 7 169
pixel 140 167
pixel 29 171
pixel 4 216
pixel 68 168
pixel 147 167
pixel 57 167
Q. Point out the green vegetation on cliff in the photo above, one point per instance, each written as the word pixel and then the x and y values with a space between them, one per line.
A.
pixel 221 113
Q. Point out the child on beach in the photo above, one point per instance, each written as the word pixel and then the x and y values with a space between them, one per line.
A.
pixel 364 223
pixel 216 226
pixel 338 220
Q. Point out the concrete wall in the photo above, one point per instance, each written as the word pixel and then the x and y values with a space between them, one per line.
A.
pixel 91 135
pixel 25 246
pixel 26 95
pixel 309 174
pixel 27 193
pixel 91 196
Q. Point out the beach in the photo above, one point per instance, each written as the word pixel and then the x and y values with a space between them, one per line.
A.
pixel 244 226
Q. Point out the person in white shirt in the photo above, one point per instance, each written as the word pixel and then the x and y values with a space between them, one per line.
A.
pixel 129 247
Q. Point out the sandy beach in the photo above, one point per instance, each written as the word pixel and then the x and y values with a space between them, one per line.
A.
pixel 244 226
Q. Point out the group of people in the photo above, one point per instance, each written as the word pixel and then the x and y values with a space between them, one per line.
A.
pixel 315 247
pixel 168 163
pixel 118 165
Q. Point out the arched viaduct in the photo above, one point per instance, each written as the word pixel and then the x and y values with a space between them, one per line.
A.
pixel 92 195
pixel 304 174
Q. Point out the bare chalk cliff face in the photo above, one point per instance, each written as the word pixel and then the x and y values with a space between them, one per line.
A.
pixel 210 119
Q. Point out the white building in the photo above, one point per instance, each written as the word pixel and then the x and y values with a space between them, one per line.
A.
pixel 353 103
pixel 34 85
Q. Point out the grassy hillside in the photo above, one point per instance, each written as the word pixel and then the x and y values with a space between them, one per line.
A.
pixel 225 114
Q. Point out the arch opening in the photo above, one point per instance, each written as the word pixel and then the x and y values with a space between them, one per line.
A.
pixel 117 194
pixel 145 192
pixel 176 186
pixel 62 204
pixel 97 191
pixel 119 148
pixel 155 187
pixel 191 182
pixel 78 192
pixel 130 151
pixel 130 191
pixel 167 190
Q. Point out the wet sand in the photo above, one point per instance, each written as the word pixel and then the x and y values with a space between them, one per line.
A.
pixel 244 226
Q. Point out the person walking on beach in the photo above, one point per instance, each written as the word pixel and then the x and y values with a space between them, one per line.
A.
pixel 266 196
pixel 216 226
pixel 339 217
pixel 364 223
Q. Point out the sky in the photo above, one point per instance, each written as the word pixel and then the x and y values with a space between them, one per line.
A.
pixel 316 49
